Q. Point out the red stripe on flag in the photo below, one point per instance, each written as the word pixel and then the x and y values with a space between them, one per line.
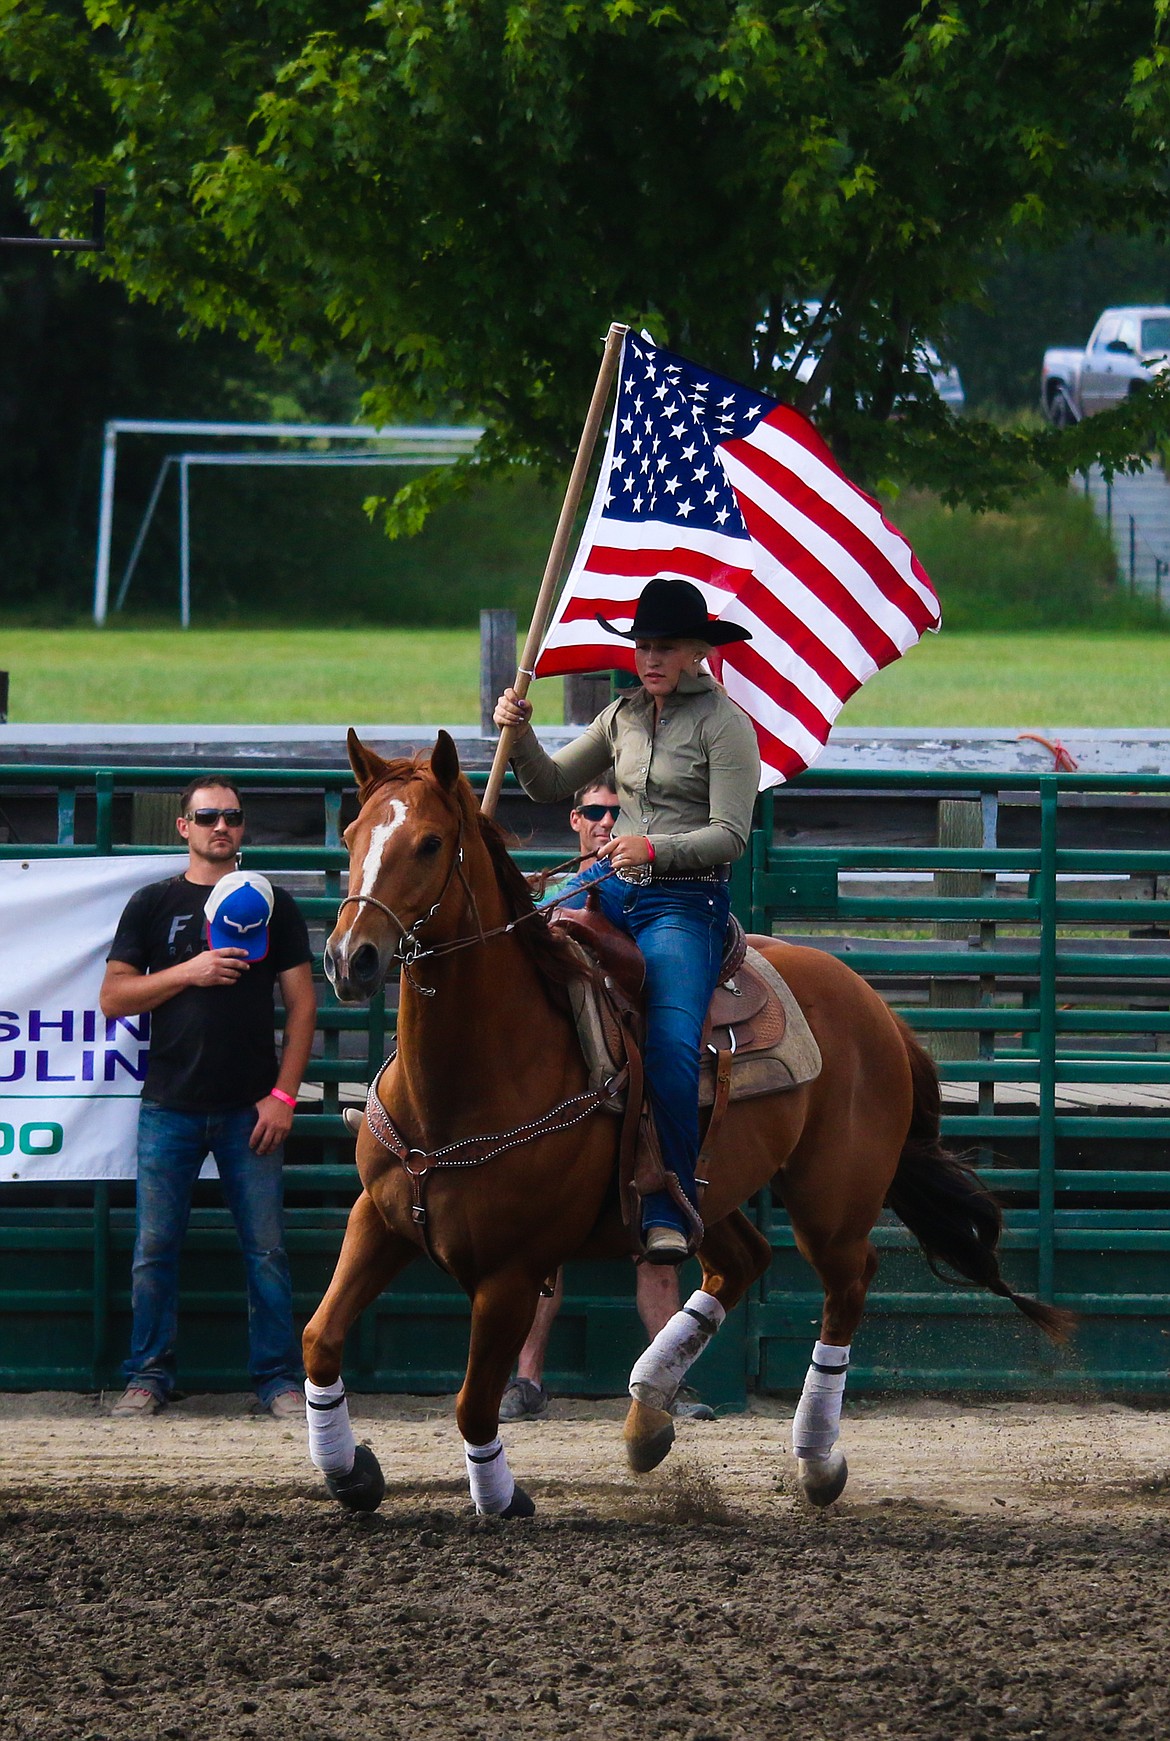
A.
pixel 794 425
pixel 823 584
pixel 676 559
pixel 776 753
pixel 843 531
pixel 763 604
pixel 565 661
pixel 742 656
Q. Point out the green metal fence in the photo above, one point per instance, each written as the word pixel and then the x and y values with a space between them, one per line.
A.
pixel 1063 1014
pixel 65 1250
pixel 1012 956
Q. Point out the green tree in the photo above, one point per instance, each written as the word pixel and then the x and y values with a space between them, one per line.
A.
pixel 459 194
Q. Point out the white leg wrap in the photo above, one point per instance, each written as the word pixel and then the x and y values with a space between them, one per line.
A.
pixel 332 1446
pixel 817 1421
pixel 658 1373
pixel 489 1477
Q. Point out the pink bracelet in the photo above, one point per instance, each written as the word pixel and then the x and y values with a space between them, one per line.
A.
pixel 649 846
pixel 288 1099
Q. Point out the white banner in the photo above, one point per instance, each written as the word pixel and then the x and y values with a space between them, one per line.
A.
pixel 69 1079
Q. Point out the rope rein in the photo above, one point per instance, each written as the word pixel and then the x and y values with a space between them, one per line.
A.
pixel 415 950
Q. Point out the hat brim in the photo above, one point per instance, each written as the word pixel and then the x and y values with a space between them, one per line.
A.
pixel 716 634
pixel 254 945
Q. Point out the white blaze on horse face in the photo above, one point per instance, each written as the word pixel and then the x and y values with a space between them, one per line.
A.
pixel 379 836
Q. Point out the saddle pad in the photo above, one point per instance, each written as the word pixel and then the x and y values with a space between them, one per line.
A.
pixel 789 1059
pixel 784 1053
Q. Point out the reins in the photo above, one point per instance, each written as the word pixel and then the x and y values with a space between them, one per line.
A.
pixel 409 934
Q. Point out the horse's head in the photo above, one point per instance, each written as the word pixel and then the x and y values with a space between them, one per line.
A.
pixel 404 850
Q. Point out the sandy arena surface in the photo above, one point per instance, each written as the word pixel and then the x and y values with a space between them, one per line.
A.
pixel 992 1571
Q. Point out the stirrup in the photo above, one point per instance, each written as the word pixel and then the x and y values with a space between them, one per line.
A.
pixel 666 1245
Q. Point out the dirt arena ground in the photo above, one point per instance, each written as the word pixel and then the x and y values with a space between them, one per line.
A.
pixel 992 1571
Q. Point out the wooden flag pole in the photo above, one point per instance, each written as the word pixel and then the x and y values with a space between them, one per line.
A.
pixel 556 556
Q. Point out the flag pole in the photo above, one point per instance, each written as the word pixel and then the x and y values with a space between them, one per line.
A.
pixel 556 556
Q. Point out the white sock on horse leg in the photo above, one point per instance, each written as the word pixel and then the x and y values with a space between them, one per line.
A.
pixel 658 1373
pixel 489 1477
pixel 332 1446
pixel 817 1421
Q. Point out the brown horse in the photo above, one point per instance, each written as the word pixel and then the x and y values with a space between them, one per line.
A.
pixel 487 1048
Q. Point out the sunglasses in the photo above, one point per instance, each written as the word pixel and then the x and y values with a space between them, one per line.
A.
pixel 594 812
pixel 207 818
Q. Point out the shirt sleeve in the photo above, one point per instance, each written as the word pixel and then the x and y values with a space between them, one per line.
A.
pixel 132 938
pixel 288 939
pixel 548 779
pixel 733 757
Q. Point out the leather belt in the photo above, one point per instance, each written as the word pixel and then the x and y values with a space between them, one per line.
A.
pixel 637 875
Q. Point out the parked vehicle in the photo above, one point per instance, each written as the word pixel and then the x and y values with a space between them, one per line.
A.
pixel 1128 348
pixel 926 363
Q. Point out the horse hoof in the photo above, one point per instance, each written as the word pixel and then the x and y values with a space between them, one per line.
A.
pixel 520 1505
pixel 364 1488
pixel 649 1434
pixel 823 1478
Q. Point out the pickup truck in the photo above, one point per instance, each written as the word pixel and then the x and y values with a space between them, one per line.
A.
pixel 1127 349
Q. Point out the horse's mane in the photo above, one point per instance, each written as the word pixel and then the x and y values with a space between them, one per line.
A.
pixel 551 953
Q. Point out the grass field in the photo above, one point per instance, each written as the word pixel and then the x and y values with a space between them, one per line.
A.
pixel 430 676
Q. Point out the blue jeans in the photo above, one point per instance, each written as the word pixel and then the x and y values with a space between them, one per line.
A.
pixel 172 1147
pixel 680 929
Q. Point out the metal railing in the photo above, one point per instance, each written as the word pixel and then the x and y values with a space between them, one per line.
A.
pixel 1013 958
pixel 1070 1109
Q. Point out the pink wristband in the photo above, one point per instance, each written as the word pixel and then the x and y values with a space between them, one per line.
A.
pixel 649 846
pixel 288 1099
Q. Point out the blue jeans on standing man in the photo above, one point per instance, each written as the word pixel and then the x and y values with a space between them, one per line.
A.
pixel 680 928
pixel 172 1147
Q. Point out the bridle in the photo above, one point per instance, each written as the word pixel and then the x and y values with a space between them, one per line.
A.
pixel 410 948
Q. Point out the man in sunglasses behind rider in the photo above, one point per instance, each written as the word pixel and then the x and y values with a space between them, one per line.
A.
pixel 592 818
pixel 213 1085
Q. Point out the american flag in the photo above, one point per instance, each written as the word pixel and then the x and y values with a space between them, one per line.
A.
pixel 707 480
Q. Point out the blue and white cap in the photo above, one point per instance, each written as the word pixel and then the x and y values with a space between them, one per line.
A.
pixel 237 912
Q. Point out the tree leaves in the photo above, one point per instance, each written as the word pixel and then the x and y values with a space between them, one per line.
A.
pixel 458 197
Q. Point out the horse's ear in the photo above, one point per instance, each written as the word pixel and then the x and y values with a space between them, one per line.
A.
pixel 368 766
pixel 445 761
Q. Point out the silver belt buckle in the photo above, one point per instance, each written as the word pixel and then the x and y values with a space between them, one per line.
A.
pixel 639 875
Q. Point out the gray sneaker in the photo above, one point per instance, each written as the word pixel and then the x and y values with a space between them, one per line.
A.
pixel 136 1403
pixel 522 1400
pixel 287 1405
pixel 687 1406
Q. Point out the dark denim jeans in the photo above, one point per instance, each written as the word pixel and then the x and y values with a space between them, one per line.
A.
pixel 680 928
pixel 172 1147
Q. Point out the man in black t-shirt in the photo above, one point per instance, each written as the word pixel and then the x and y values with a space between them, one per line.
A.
pixel 213 1085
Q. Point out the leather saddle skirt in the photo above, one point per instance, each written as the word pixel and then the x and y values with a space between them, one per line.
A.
pixel 753 1014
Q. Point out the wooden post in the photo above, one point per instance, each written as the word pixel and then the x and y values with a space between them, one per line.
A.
pixel 586 693
pixel 153 819
pixel 960 823
pixel 556 555
pixel 497 661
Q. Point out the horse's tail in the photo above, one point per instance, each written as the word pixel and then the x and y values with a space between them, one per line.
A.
pixel 948 1209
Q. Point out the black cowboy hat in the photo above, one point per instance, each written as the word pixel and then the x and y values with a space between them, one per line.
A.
pixel 674 610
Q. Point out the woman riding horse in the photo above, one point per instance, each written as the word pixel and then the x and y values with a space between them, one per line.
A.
pixel 687 774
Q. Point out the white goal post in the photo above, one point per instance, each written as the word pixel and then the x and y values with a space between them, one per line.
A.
pixel 396 445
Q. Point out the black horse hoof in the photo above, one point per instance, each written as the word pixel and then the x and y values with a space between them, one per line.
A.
pixel 520 1505
pixel 364 1488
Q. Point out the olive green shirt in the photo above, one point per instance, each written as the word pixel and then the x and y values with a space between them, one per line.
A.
pixel 690 785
